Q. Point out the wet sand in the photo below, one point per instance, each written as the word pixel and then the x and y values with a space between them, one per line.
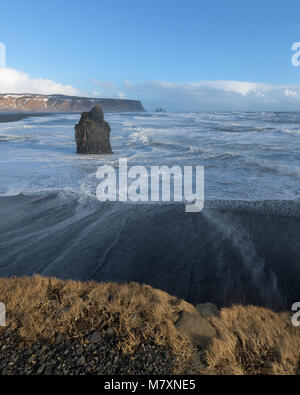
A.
pixel 17 116
pixel 225 255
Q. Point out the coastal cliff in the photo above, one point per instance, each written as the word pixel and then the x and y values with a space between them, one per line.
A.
pixel 61 103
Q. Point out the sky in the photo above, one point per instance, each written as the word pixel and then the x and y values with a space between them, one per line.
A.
pixel 190 55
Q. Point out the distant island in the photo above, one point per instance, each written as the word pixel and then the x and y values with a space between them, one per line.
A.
pixel 60 103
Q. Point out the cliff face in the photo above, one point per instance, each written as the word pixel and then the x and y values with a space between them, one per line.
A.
pixel 61 103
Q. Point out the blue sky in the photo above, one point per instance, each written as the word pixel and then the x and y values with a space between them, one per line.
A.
pixel 182 55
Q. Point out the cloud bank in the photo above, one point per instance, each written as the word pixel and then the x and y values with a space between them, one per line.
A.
pixel 212 95
pixel 174 96
pixel 14 81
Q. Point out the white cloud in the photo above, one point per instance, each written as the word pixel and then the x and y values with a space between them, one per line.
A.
pixel 209 95
pixel 216 95
pixel 14 81
pixel 128 84
pixel 121 95
pixel 103 84
pixel 110 89
pixel 289 92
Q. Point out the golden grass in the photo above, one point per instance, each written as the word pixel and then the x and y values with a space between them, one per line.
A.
pixel 39 308
pixel 250 340
pixel 254 341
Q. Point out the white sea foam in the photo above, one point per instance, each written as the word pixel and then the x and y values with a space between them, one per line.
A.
pixel 246 155
pixel 288 170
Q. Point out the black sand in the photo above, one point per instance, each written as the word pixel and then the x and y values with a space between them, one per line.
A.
pixel 231 253
pixel 16 116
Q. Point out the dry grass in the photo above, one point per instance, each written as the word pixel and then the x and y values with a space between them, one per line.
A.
pixel 254 340
pixel 251 340
pixel 39 308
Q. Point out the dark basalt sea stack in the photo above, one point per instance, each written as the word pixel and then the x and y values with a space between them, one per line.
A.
pixel 92 133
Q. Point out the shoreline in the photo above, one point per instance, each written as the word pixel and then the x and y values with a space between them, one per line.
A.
pixel 16 116
pixel 228 250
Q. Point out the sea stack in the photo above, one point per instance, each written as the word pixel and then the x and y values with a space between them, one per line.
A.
pixel 92 133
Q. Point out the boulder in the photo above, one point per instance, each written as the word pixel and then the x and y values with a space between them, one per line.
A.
pixel 197 328
pixel 208 310
pixel 92 133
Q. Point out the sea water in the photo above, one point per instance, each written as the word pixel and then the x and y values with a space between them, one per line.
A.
pixel 243 248
pixel 247 156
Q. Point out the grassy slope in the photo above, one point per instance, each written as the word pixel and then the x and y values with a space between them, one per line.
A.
pixel 250 340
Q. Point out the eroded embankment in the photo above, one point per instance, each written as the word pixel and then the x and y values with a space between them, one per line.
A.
pixel 68 327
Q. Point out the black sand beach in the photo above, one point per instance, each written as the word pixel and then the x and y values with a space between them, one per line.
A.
pixel 226 255
pixel 16 116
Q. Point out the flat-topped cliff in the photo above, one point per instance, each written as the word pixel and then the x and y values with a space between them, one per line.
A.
pixel 60 103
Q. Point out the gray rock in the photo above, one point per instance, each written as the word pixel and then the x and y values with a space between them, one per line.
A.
pixel 197 362
pixel 83 358
pixel 80 361
pixel 92 133
pixel 40 369
pixel 96 337
pixel 208 310
pixel 197 328
pixel 59 338
pixel 109 332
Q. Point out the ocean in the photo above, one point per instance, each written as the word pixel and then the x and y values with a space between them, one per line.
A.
pixel 243 248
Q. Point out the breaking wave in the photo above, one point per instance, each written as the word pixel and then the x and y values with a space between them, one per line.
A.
pixel 232 252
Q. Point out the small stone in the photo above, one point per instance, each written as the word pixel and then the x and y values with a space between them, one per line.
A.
pixel 40 369
pixel 96 337
pixel 59 338
pixel 109 332
pixel 80 361
pixel 48 371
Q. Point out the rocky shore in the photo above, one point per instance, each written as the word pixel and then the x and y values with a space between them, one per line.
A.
pixel 93 354
pixel 59 327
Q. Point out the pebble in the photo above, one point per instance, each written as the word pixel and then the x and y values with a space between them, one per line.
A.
pixel 70 357
pixel 96 337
